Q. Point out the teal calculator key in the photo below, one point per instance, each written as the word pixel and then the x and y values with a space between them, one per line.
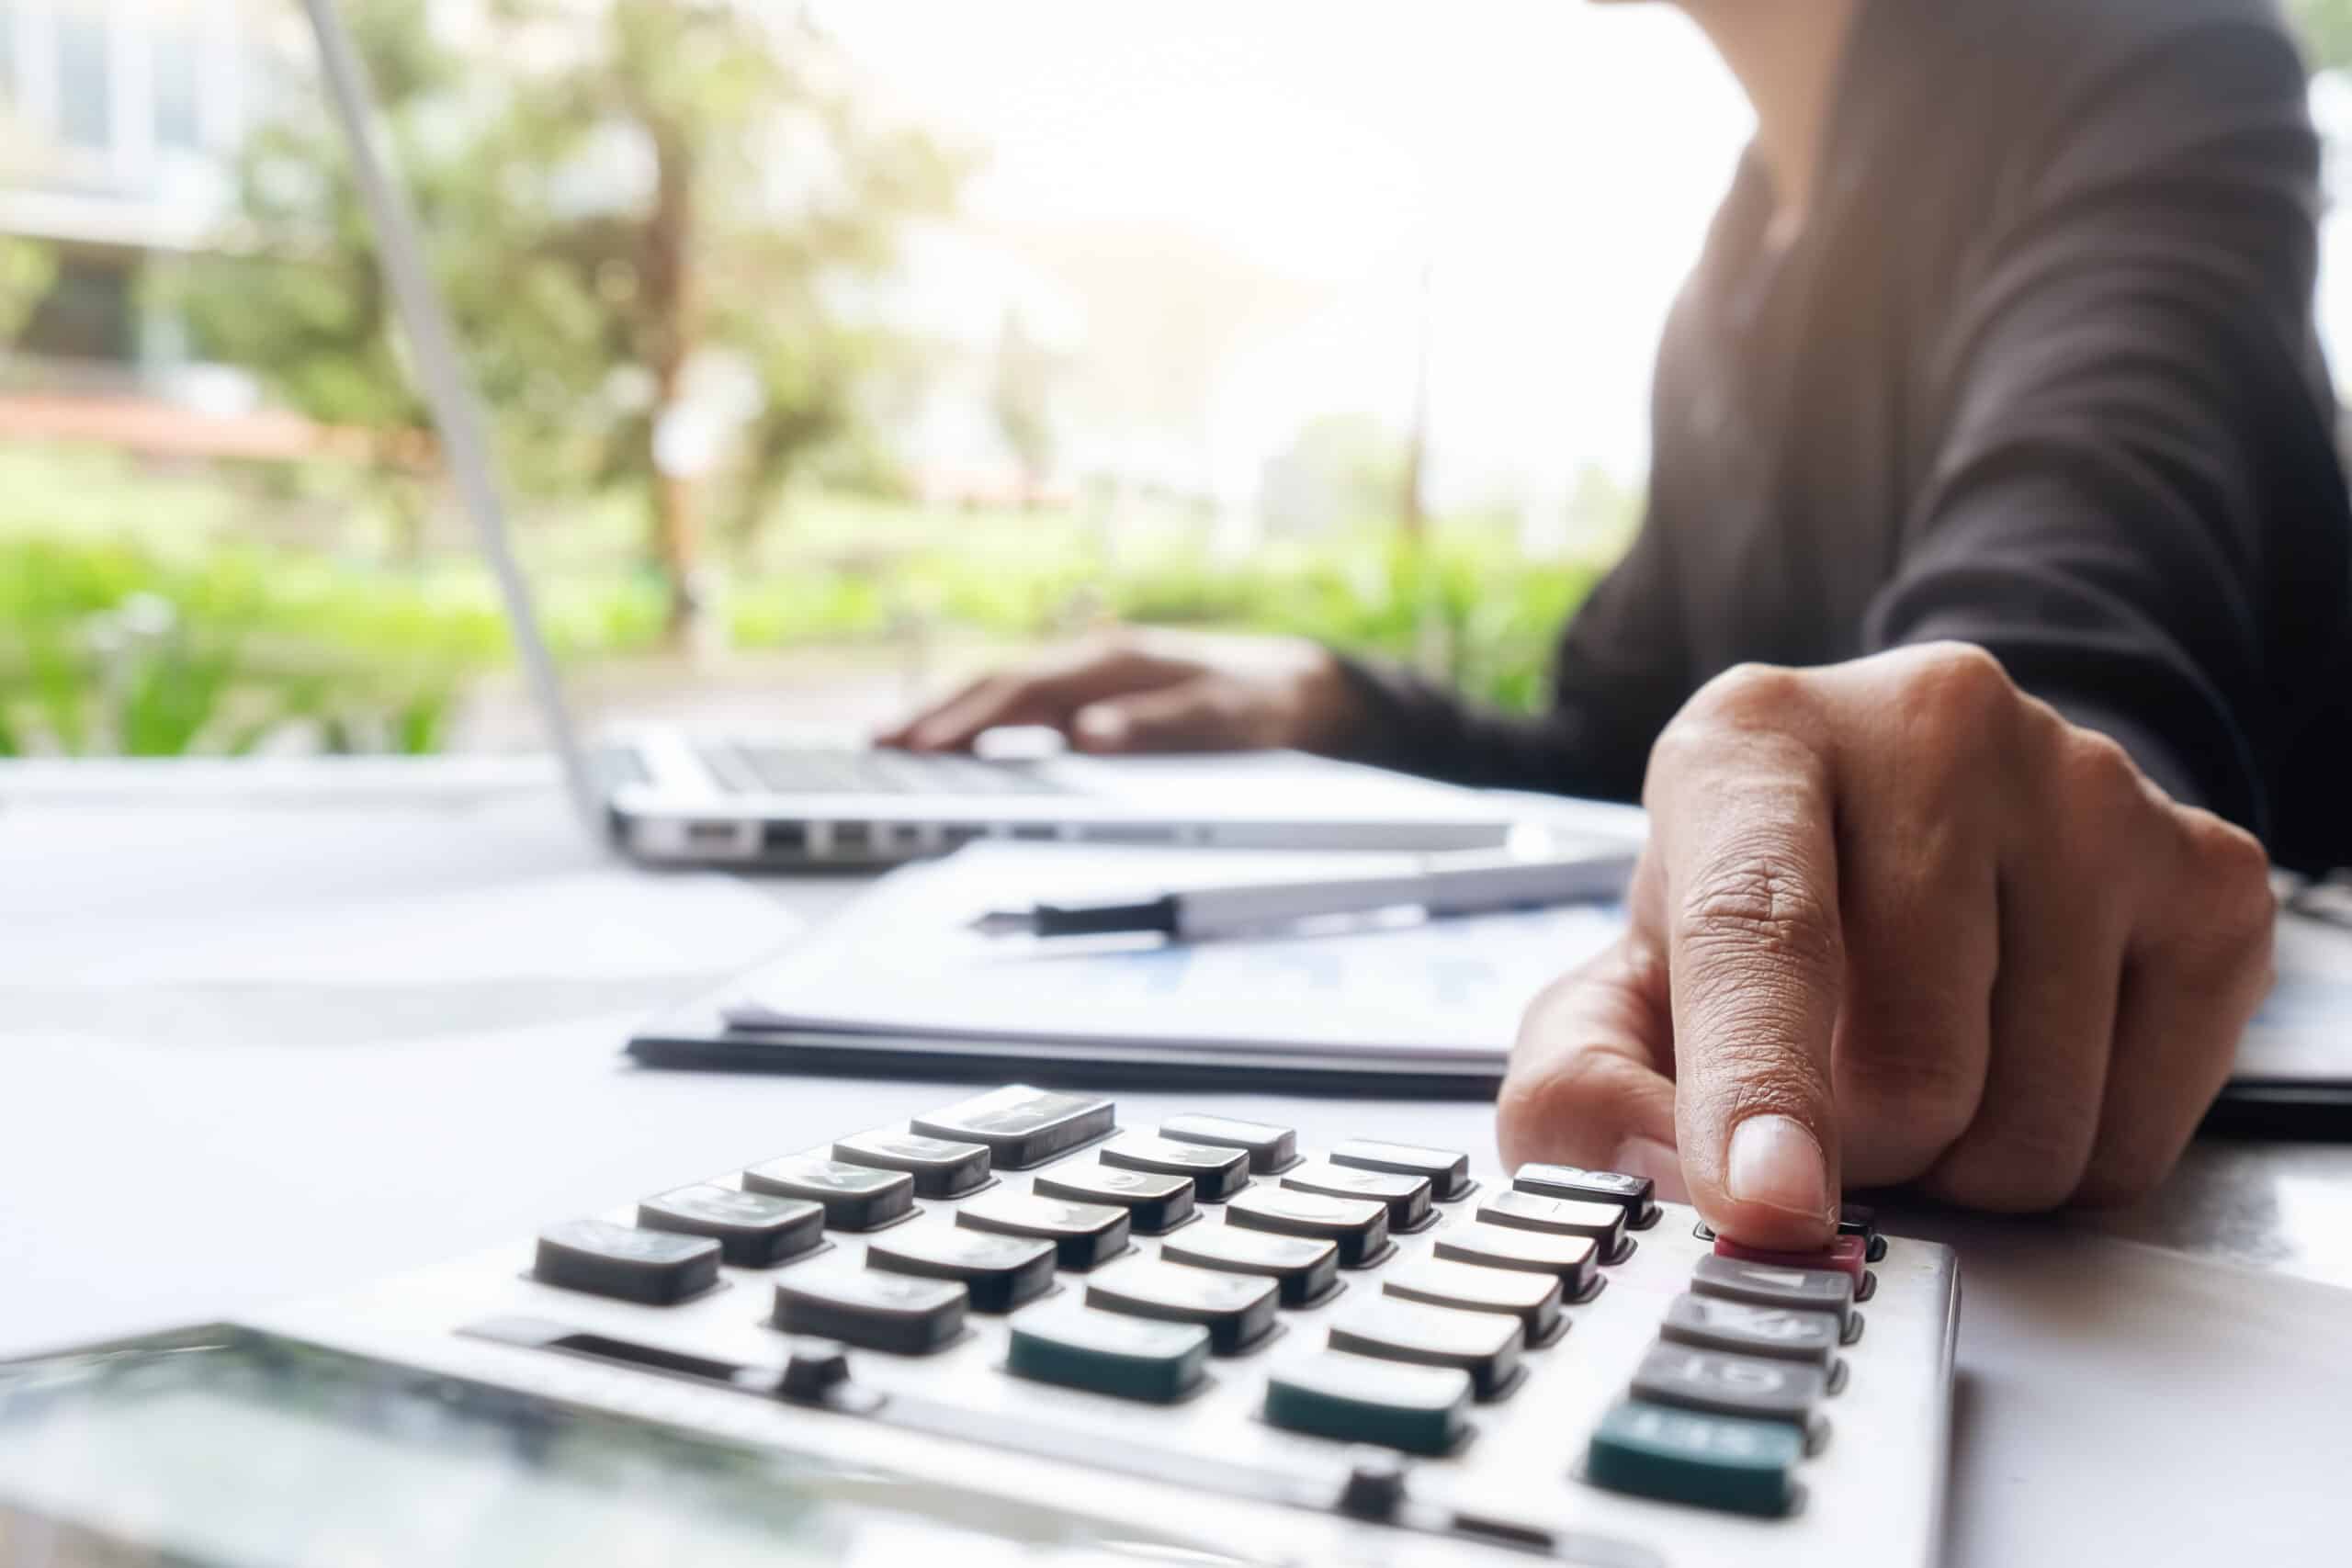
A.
pixel 1103 1352
pixel 1422 1410
pixel 1681 1456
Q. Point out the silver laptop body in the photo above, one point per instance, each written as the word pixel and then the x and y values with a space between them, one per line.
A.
pixel 664 796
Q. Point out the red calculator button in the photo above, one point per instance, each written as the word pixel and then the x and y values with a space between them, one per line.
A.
pixel 1846 1255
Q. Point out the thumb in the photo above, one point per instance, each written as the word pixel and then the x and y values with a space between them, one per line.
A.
pixel 1188 717
pixel 1586 1085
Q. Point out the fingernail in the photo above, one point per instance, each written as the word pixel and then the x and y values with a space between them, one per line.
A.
pixel 1775 1163
pixel 1104 727
pixel 1647 1157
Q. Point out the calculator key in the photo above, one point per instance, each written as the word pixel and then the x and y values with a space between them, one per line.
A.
pixel 1760 1284
pixel 1270 1149
pixel 872 1311
pixel 942 1167
pixel 1778 1332
pixel 1001 1272
pixel 1084 1233
pixel 1857 1219
pixel 1635 1194
pixel 1358 1225
pixel 1604 1223
pixel 753 1230
pixel 1020 1125
pixel 1408 1197
pixel 1104 1352
pixel 1571 1260
pixel 1153 1203
pixel 856 1197
pixel 1356 1399
pixel 1724 1384
pixel 1236 1309
pixel 1304 1269
pixel 1709 1461
pixel 1533 1299
pixel 656 1268
pixel 1215 1173
pixel 1846 1254
pixel 1449 1173
pixel 1485 1345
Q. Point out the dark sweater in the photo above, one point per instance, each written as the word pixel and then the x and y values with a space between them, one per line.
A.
pixel 2040 376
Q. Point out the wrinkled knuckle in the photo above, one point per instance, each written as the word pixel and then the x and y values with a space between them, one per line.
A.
pixel 1749 696
pixel 1761 907
pixel 1959 697
pixel 2099 774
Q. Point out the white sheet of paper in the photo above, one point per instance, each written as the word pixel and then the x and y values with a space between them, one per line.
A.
pixel 902 963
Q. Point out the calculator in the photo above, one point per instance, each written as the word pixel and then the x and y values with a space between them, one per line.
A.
pixel 1018 1328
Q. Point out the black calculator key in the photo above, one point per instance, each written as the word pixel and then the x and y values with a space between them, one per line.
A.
pixel 1153 1203
pixel 753 1230
pixel 1448 1173
pixel 656 1268
pixel 1764 1284
pixel 1726 1384
pixel 1084 1233
pixel 1215 1173
pixel 1408 1197
pixel 1780 1333
pixel 1857 1219
pixel 1358 1225
pixel 1571 1260
pixel 1356 1399
pixel 1236 1309
pixel 873 1311
pixel 1635 1194
pixel 942 1167
pixel 1108 1352
pixel 856 1197
pixel 1271 1148
pixel 1304 1268
pixel 1020 1125
pixel 1485 1345
pixel 1001 1272
pixel 1605 1223
pixel 1533 1299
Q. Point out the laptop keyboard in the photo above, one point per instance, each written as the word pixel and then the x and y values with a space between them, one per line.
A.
pixel 797 769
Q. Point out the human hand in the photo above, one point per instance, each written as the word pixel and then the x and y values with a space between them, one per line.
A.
pixel 1129 690
pixel 1898 921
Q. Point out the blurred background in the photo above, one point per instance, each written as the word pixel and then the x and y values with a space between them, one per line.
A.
pixel 833 348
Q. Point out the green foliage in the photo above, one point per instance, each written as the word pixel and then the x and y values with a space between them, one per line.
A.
pixel 2326 27
pixel 27 269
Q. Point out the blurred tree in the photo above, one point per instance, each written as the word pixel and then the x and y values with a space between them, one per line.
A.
pixel 2326 27
pixel 662 225
pixel 1021 402
pixel 27 269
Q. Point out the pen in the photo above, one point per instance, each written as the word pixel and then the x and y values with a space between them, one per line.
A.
pixel 1444 885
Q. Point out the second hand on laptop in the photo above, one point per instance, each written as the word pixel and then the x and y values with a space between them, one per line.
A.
pixel 1444 885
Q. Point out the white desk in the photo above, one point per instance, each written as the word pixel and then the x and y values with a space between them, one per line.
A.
pixel 317 1026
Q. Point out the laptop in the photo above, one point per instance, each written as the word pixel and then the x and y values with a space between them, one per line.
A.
pixel 664 794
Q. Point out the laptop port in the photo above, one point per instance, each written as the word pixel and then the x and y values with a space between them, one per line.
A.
pixel 959 833
pixel 785 838
pixel 853 836
pixel 1034 831
pixel 711 835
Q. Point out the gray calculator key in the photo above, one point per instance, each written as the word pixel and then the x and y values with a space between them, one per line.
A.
pixel 1533 1299
pixel 942 1167
pixel 1605 1223
pixel 656 1268
pixel 1271 1148
pixel 1084 1233
pixel 753 1230
pixel 856 1197
pixel 1358 1225
pixel 873 1311
pixel 1635 1194
pixel 1485 1345
pixel 1304 1269
pixel 1153 1203
pixel 1408 1197
pixel 1356 1399
pixel 1765 1284
pixel 1021 1126
pixel 1236 1309
pixel 1729 1385
pixel 1106 1352
pixel 1449 1173
pixel 1001 1272
pixel 1780 1333
pixel 1215 1173
pixel 1571 1260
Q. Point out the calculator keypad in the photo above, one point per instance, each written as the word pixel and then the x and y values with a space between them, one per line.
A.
pixel 1204 1271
